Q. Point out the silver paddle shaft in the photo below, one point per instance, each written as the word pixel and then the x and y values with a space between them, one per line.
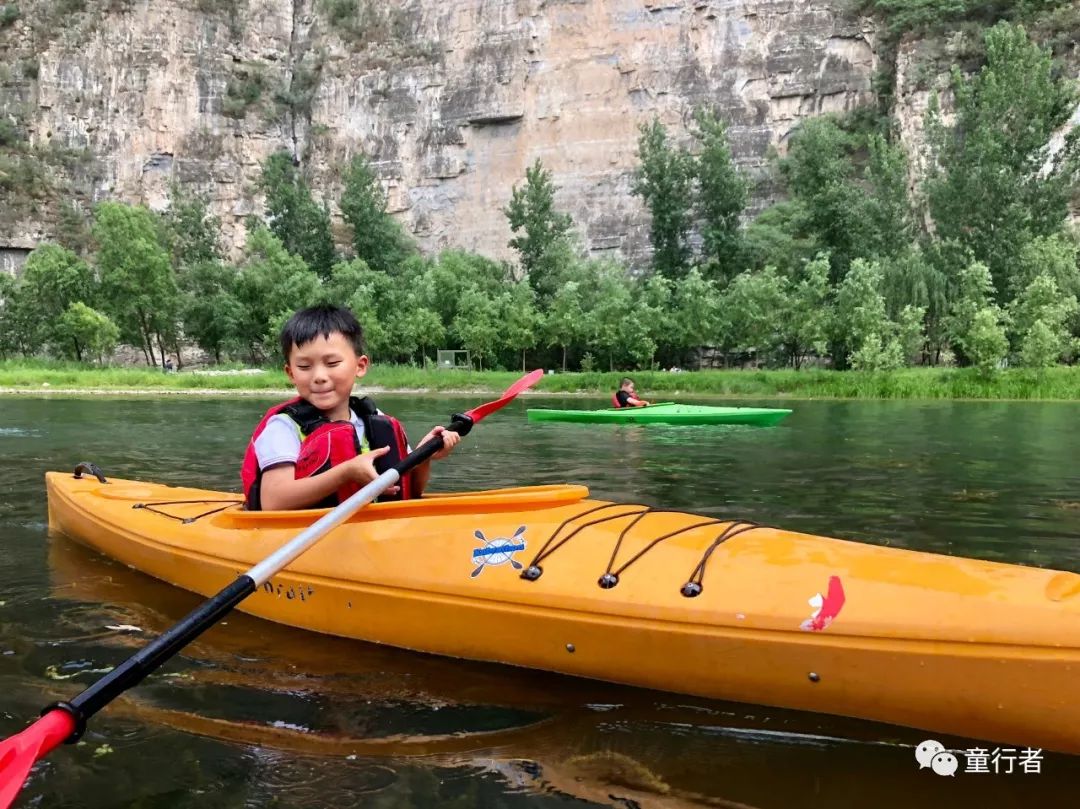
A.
pixel 286 554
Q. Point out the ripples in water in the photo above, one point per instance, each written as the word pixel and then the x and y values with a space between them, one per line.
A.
pixel 254 714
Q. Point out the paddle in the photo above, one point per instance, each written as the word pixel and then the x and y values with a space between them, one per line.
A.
pixel 66 721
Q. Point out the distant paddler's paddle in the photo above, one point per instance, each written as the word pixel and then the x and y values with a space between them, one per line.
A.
pixel 66 721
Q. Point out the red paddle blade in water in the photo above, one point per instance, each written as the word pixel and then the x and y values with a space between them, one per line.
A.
pixel 524 383
pixel 18 754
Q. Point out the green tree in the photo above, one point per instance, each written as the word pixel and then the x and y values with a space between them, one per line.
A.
pixel 984 343
pixel 653 309
pixel 451 274
pixel 210 311
pixel 749 308
pixel 520 319
pixel 378 238
pixel 542 233
pixel 994 184
pixel 664 181
pixel 73 229
pixel 862 329
pixel 694 313
pixel 193 232
pixel 1040 318
pixel 53 279
pixel 87 332
pixel 421 329
pixel 396 317
pixel 346 278
pixel 876 354
pixel 564 324
pixel 722 193
pixel 1055 256
pixel 1040 347
pixel 821 176
pixel 974 291
pixel 910 280
pixel 975 325
pixel 12 329
pixel 271 285
pixel 890 229
pixel 608 309
pixel 780 237
pixel 477 325
pixel 911 332
pixel 804 322
pixel 138 289
pixel 300 224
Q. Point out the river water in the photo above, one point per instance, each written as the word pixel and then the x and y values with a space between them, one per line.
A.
pixel 255 714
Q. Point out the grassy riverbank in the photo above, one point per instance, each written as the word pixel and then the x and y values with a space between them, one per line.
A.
pixel 911 383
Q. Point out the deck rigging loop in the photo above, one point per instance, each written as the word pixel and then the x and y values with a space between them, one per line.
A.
pixel 534 571
pixel 152 507
pixel 611 575
pixel 695 585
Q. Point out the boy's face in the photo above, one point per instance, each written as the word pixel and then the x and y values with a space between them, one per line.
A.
pixel 628 387
pixel 324 371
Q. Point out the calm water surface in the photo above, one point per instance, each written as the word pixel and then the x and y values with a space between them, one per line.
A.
pixel 259 715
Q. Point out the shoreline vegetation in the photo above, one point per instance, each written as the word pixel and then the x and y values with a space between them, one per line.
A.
pixel 1056 384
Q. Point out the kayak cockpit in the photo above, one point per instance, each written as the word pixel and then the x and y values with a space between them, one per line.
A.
pixel 523 498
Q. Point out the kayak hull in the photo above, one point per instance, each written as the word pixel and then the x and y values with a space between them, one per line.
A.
pixel 666 413
pixel 955 646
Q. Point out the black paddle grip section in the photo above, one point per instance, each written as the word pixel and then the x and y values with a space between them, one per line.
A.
pixel 459 423
pixel 133 670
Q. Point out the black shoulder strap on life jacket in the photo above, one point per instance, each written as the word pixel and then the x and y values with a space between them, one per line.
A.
pixel 378 429
pixel 306 415
pixel 380 432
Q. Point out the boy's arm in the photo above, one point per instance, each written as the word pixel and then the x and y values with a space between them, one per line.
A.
pixel 281 490
pixel 420 477
pixel 422 474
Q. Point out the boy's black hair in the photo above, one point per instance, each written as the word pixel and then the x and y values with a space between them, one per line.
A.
pixel 322 320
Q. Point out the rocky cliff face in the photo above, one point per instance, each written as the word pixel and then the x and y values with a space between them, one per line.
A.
pixel 452 100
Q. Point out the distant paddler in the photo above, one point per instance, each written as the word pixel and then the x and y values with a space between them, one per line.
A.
pixel 626 395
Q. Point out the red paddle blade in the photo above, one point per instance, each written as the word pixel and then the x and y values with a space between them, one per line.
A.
pixel 527 381
pixel 18 754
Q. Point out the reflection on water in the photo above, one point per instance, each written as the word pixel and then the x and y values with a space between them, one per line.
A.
pixel 258 715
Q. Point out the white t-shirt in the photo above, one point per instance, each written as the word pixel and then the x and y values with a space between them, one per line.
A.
pixel 279 442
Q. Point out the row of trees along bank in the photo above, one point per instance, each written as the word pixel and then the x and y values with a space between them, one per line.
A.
pixel 976 266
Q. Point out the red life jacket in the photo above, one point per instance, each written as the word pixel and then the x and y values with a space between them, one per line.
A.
pixel 325 444
pixel 615 399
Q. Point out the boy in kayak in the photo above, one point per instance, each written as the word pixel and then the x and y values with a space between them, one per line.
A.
pixel 626 395
pixel 316 450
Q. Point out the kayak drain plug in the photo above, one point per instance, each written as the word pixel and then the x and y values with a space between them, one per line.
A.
pixel 608 580
pixel 691 589
pixel 532 572
pixel 814 677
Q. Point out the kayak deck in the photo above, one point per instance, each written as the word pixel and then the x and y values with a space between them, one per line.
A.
pixel 951 645
pixel 665 413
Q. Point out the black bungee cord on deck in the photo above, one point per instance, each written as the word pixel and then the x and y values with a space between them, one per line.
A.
pixel 186 520
pixel 610 578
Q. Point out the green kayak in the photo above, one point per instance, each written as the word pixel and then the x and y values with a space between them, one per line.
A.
pixel 665 413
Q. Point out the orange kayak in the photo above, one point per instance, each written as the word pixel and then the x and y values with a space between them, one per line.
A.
pixel 547 578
